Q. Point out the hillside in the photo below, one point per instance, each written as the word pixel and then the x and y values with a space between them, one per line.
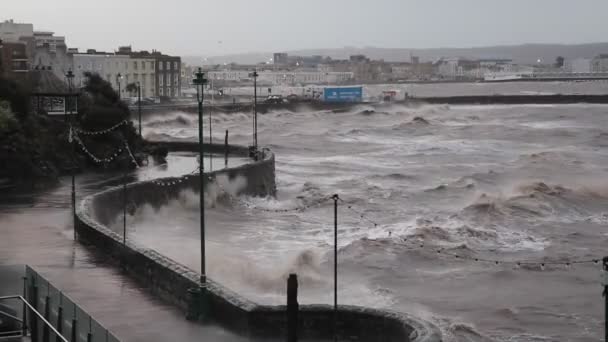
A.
pixel 521 54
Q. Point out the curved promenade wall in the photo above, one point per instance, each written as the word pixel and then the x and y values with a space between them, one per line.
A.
pixel 171 280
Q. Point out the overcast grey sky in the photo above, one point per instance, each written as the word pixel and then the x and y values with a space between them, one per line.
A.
pixel 204 27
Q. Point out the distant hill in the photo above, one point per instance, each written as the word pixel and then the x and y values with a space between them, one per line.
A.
pixel 521 54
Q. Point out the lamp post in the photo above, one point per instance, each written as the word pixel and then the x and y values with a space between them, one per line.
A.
pixel 255 109
pixel 200 82
pixel 70 77
pixel 118 78
pixel 139 106
pixel 211 111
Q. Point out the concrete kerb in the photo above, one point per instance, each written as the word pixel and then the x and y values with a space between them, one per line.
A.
pixel 171 280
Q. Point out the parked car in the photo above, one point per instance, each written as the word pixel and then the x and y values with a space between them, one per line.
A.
pixel 275 99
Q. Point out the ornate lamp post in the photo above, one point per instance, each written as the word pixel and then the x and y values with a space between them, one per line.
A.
pixel 118 79
pixel 255 109
pixel 200 82
pixel 139 106
pixel 70 77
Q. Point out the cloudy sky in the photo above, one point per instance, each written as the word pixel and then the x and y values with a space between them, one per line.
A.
pixel 218 27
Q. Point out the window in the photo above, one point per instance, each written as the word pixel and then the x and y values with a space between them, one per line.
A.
pixel 152 65
pixel 167 65
pixel 143 65
pixel 160 66
pixel 160 92
pixel 135 65
pixel 160 80
pixel 175 65
pixel 175 81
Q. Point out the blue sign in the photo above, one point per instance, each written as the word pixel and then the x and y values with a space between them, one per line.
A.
pixel 346 94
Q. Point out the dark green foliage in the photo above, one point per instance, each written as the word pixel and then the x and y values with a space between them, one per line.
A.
pixel 16 95
pixel 36 146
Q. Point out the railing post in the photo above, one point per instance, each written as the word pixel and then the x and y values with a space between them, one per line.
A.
pixel 47 313
pixel 74 332
pixel 292 308
pixel 59 325
pixel 33 317
pixel 24 324
pixel 89 334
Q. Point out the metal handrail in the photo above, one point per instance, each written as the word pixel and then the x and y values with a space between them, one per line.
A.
pixel 11 316
pixel 63 339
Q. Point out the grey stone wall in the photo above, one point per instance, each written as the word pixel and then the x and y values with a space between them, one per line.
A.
pixel 171 281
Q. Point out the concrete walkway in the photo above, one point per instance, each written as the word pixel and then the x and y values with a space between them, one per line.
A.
pixel 39 233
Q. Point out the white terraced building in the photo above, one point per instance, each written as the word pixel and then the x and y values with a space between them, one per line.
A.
pixel 109 66
pixel 283 77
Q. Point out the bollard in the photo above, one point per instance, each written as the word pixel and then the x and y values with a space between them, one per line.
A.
pixel 226 150
pixel 605 294
pixel 194 304
pixel 198 304
pixel 292 308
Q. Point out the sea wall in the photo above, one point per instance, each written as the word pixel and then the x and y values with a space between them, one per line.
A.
pixel 172 281
pixel 319 105
pixel 512 99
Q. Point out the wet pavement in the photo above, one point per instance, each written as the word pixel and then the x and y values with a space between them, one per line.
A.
pixel 36 229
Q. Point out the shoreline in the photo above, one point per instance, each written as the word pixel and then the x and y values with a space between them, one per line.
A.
pixel 317 105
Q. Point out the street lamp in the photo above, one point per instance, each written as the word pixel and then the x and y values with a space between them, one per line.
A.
pixel 118 78
pixel 200 82
pixel 139 106
pixel 255 109
pixel 70 77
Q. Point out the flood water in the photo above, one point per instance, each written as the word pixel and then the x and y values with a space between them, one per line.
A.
pixel 503 183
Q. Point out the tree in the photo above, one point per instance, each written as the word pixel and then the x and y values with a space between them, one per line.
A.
pixel 132 88
pixel 100 105
pixel 17 96
pixel 559 62
pixel 101 108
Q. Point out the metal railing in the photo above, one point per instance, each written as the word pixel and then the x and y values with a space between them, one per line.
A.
pixel 35 318
pixel 67 319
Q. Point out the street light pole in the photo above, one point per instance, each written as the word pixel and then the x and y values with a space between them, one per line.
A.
pixel 139 106
pixel 255 109
pixel 200 82
pixel 70 77
pixel 118 78
pixel 335 198
pixel 210 136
